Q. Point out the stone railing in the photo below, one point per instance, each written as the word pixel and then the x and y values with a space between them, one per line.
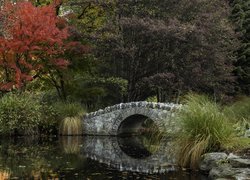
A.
pixel 141 104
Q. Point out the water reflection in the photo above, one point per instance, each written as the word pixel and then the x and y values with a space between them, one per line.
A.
pixel 130 154
pixel 71 144
pixel 134 147
pixel 86 158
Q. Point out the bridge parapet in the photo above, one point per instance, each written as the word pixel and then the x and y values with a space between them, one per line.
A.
pixel 107 121
pixel 142 104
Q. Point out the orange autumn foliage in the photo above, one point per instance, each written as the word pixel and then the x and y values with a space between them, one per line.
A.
pixel 32 41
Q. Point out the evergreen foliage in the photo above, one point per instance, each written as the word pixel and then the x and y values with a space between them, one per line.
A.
pixel 241 17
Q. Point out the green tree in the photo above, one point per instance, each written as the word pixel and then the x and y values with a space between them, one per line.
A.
pixel 241 17
pixel 191 40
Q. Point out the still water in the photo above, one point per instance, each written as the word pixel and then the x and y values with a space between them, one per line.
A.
pixel 89 157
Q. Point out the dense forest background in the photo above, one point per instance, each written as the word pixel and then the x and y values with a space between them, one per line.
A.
pixel 134 50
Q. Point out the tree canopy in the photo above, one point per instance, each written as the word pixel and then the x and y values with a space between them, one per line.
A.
pixel 31 43
pixel 105 52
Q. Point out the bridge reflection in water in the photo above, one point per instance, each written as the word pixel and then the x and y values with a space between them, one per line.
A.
pixel 130 153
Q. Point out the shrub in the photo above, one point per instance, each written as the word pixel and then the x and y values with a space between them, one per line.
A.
pixel 50 121
pixel 204 128
pixel 19 113
pixel 25 114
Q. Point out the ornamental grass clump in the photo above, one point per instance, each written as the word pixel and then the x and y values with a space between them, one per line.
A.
pixel 70 126
pixel 204 128
pixel 71 115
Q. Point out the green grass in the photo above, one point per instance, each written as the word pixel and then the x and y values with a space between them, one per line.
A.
pixel 204 128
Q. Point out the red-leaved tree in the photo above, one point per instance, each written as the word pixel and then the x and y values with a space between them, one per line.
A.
pixel 32 42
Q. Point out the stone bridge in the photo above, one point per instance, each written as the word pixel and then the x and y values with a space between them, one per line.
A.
pixel 127 117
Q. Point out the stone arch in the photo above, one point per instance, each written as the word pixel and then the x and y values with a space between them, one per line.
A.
pixel 152 114
pixel 132 124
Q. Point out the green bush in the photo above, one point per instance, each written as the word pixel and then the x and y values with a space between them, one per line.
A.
pixel 50 121
pixel 19 114
pixel 204 128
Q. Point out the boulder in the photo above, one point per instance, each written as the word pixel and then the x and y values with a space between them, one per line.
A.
pixel 211 160
pixel 222 171
pixel 240 163
pixel 241 173
pixel 226 171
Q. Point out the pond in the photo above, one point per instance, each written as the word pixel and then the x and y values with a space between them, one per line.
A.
pixel 89 157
